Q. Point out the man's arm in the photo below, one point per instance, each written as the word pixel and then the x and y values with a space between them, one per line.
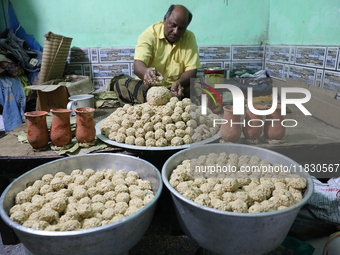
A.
pixel 140 68
pixel 145 73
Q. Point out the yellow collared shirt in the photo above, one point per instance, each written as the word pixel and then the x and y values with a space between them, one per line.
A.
pixel 171 60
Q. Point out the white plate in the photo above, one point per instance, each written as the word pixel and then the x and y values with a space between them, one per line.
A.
pixel 135 147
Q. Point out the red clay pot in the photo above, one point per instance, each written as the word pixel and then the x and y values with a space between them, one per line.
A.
pixel 274 130
pixel 37 133
pixel 253 123
pixel 85 130
pixel 230 132
pixel 61 133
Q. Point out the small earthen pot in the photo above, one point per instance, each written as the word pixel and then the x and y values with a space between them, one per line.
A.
pixel 253 127
pixel 60 132
pixel 37 132
pixel 230 132
pixel 273 129
pixel 85 130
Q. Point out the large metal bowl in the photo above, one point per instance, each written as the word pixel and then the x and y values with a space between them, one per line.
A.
pixel 115 238
pixel 223 232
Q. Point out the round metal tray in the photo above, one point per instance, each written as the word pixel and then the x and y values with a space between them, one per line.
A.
pixel 135 147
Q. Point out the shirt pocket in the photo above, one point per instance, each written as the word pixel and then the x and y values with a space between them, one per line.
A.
pixel 175 70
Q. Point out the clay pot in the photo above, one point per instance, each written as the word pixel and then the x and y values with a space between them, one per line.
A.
pixel 230 132
pixel 37 133
pixel 61 133
pixel 85 130
pixel 274 130
pixel 253 123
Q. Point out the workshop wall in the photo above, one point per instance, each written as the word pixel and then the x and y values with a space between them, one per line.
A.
pixel 109 23
pixel 290 39
pixel 301 22
pixel 304 42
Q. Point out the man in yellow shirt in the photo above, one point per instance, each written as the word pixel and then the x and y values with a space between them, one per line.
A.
pixel 166 54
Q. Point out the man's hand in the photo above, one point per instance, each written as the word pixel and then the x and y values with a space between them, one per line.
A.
pixel 181 87
pixel 177 89
pixel 152 77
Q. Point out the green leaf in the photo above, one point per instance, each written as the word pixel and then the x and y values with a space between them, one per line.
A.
pixel 22 136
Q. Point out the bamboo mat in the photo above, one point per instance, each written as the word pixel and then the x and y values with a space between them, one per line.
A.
pixel 56 50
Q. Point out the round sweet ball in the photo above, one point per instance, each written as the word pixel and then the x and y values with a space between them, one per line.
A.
pixel 158 95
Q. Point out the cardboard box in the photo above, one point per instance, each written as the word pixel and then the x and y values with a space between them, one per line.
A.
pixel 55 93
pixel 55 89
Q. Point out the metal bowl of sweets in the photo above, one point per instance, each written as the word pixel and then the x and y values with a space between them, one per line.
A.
pixel 98 203
pixel 236 199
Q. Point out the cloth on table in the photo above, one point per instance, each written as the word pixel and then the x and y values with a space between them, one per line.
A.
pixel 321 215
pixel 130 91
pixel 13 100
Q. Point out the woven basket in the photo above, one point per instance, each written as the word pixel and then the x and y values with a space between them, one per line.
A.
pixel 56 50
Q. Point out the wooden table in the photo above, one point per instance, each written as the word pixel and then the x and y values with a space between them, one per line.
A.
pixel 312 142
pixel 305 144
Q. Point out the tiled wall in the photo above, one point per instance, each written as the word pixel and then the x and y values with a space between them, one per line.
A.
pixel 101 64
pixel 232 57
pixel 317 65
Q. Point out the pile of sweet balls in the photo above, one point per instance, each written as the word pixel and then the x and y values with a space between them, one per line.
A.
pixel 80 200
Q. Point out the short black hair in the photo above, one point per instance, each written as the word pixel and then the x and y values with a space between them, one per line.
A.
pixel 171 8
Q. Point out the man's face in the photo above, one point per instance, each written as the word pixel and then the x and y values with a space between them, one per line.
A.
pixel 175 25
